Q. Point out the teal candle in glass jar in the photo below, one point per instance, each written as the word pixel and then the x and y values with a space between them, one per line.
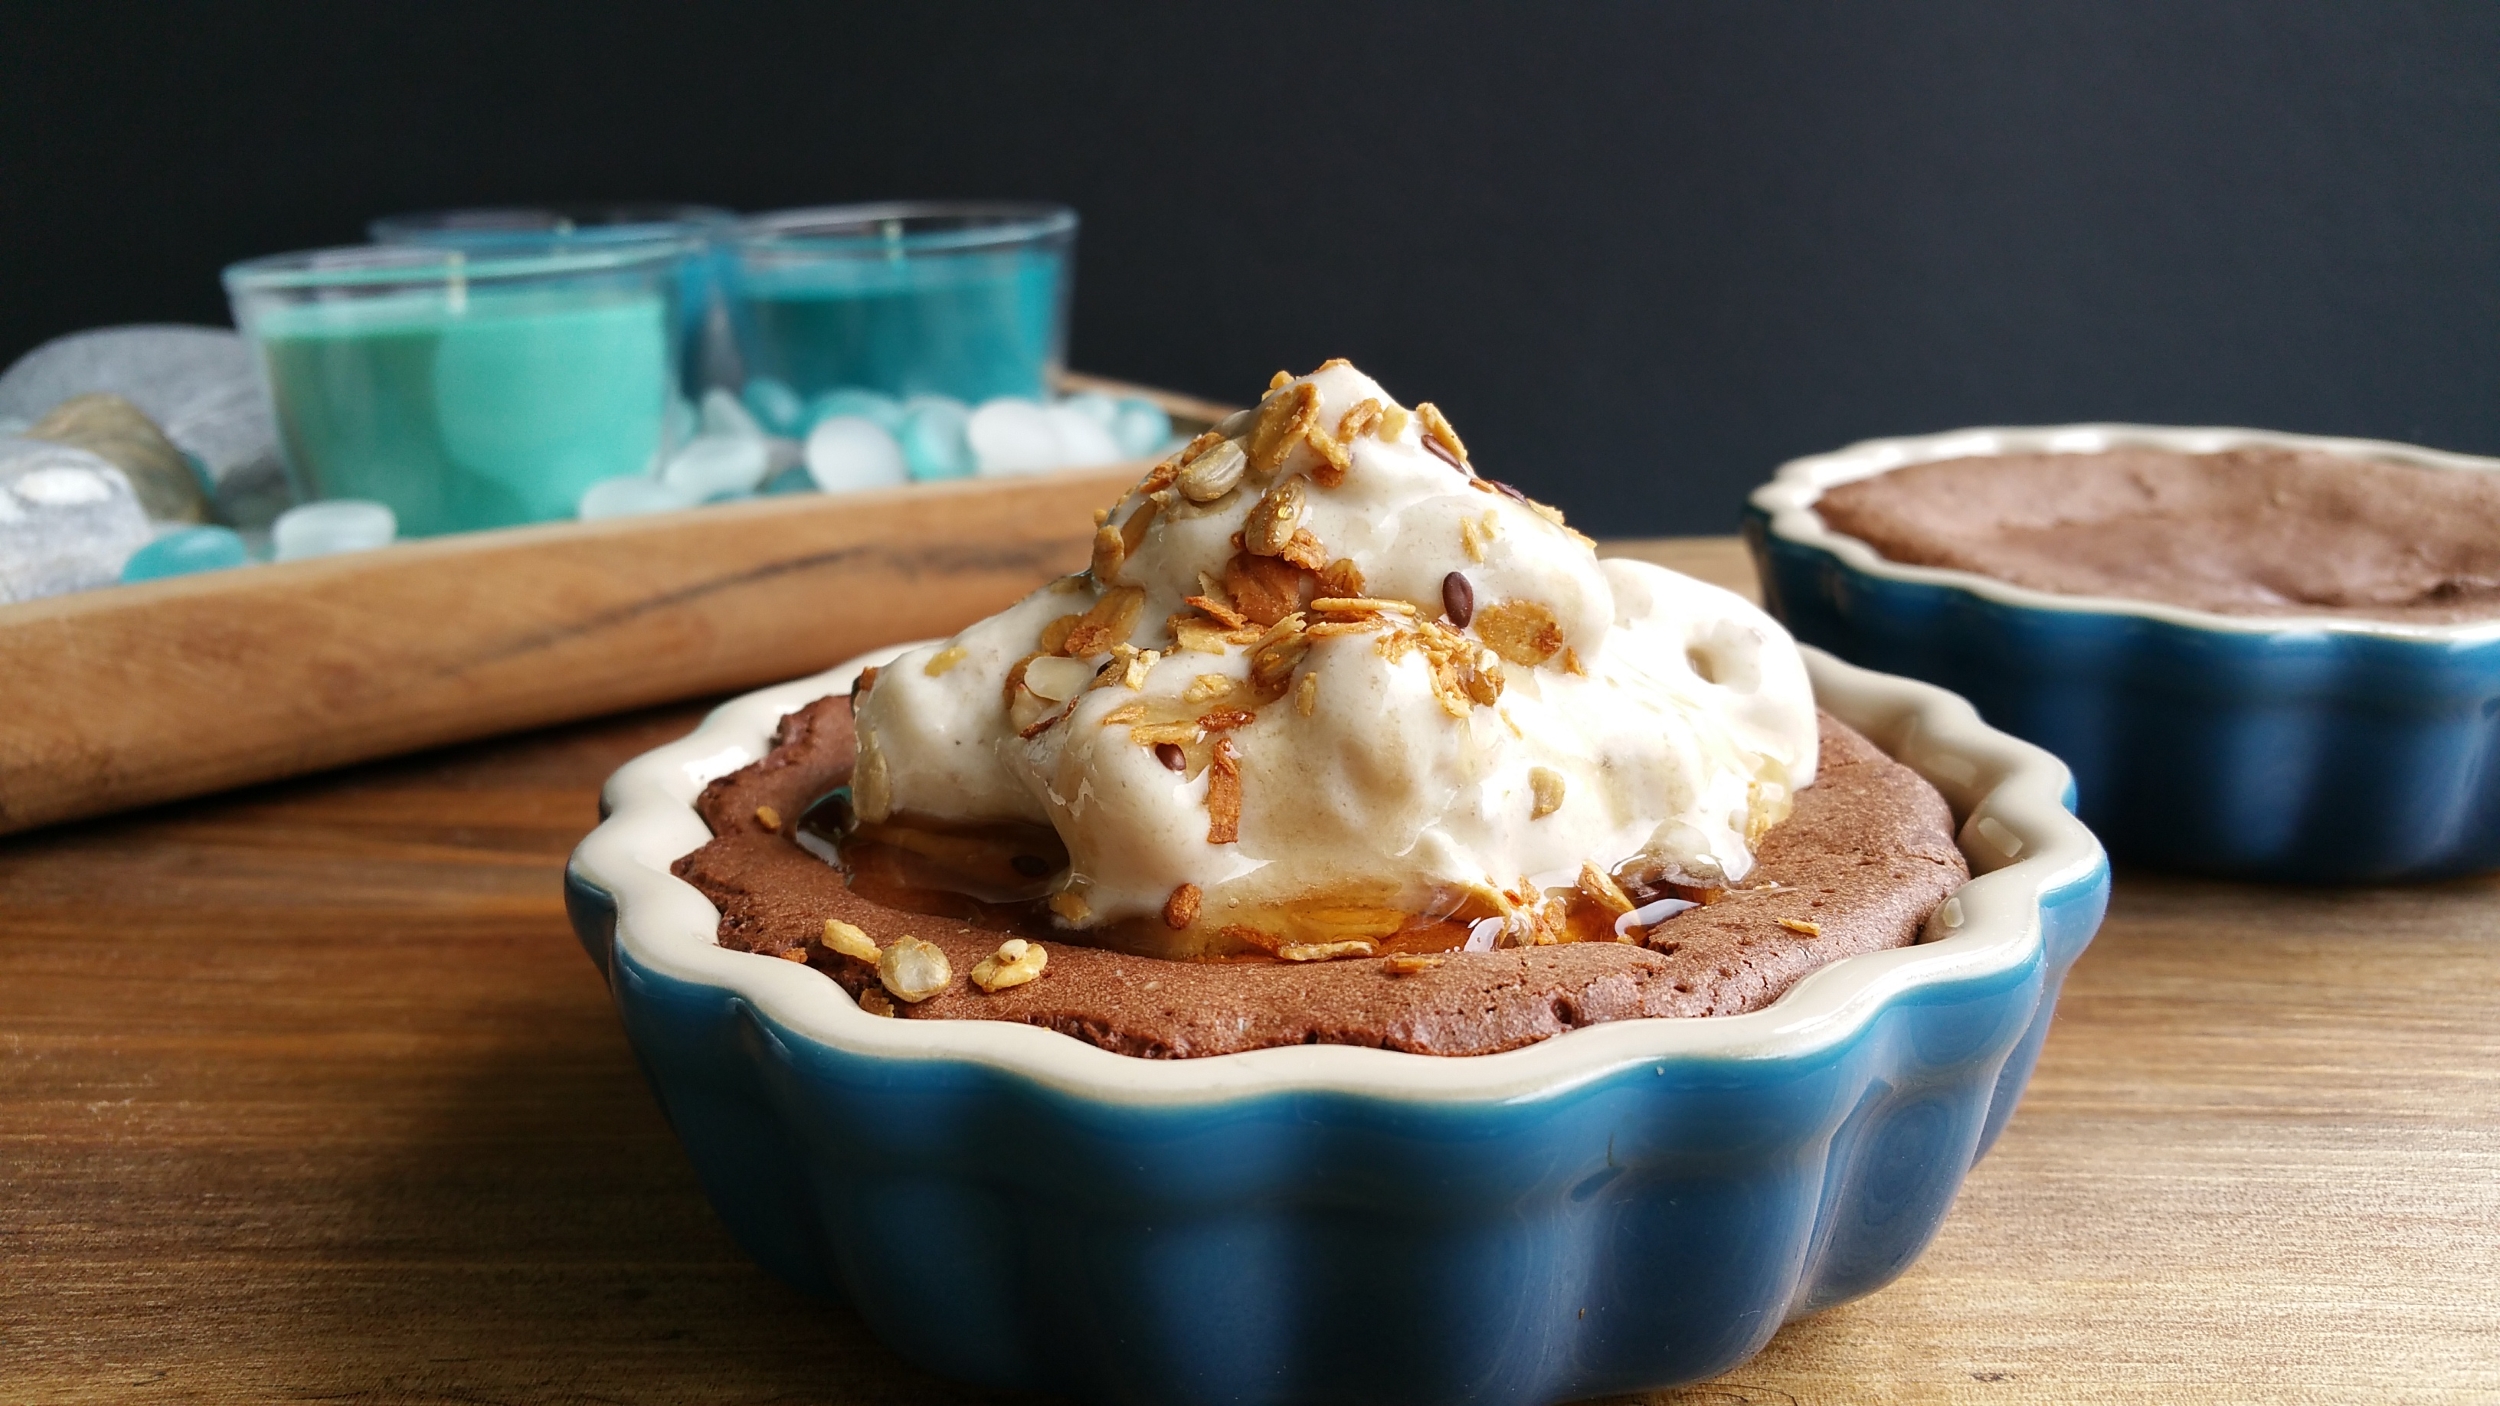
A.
pixel 465 392
pixel 967 301
pixel 705 356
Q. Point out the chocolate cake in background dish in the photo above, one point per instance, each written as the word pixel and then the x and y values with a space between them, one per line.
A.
pixel 2255 530
pixel 2266 656
pixel 1334 742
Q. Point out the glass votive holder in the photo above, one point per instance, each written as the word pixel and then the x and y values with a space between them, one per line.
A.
pixel 963 300
pixel 706 355
pixel 465 390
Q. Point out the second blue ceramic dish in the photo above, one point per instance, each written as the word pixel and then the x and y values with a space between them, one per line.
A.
pixel 2285 750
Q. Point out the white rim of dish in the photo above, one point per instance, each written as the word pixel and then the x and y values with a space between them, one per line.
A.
pixel 2015 829
pixel 1790 496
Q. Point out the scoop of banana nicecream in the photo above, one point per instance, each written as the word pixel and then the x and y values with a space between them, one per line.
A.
pixel 1323 683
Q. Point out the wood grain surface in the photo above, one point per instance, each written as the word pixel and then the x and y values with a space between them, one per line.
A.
pixel 152 692
pixel 179 687
pixel 306 1093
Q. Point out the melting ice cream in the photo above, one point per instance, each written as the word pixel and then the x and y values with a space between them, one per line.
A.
pixel 1324 691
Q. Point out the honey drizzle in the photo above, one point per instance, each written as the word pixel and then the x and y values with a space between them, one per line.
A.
pixel 999 877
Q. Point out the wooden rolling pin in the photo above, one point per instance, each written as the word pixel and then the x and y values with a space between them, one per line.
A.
pixel 140 694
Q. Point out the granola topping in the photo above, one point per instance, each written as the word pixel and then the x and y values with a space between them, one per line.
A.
pixel 1514 733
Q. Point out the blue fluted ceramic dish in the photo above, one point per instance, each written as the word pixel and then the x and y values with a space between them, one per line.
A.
pixel 1624 1206
pixel 2271 748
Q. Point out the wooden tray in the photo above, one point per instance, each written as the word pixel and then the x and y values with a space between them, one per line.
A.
pixel 133 695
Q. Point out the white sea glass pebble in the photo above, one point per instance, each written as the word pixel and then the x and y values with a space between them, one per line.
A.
pixel 1083 440
pixel 850 452
pixel 717 466
pixel 1012 436
pixel 632 495
pixel 330 527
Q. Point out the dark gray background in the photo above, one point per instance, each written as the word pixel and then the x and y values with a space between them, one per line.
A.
pixel 1641 253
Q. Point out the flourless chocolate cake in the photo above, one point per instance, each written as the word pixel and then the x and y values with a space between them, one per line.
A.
pixel 2249 531
pixel 1857 866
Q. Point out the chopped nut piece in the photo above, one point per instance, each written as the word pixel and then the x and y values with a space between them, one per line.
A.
pixel 1057 678
pixel 1224 614
pixel 849 941
pixel 913 970
pixel 1392 422
pixel 1197 634
pixel 1136 664
pixel 1341 578
pixel 1247 936
pixel 1111 621
pixel 1802 927
pixel 1071 905
pixel 1481 679
pixel 1304 550
pixel 1546 785
pixel 792 954
pixel 1571 662
pixel 1110 551
pixel 1520 631
pixel 1263 589
pixel 1408 963
pixel 1458 599
pixel 768 817
pixel 1272 521
pixel 942 661
pixel 1549 922
pixel 1279 379
pixel 1324 951
pixel 1551 514
pixel 1358 419
pixel 1282 420
pixel 1206 688
pixel 1359 625
pixel 1157 734
pixel 1438 434
pixel 1362 605
pixel 1133 531
pixel 1055 634
pixel 1214 473
pixel 1272 663
pixel 1014 963
pixel 1601 889
pixel 1330 458
pixel 876 1002
pixel 1181 909
pixel 1225 719
pixel 1045 723
pixel 1223 795
pixel 1471 538
pixel 1306 696
pixel 1124 715
pixel 1015 677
